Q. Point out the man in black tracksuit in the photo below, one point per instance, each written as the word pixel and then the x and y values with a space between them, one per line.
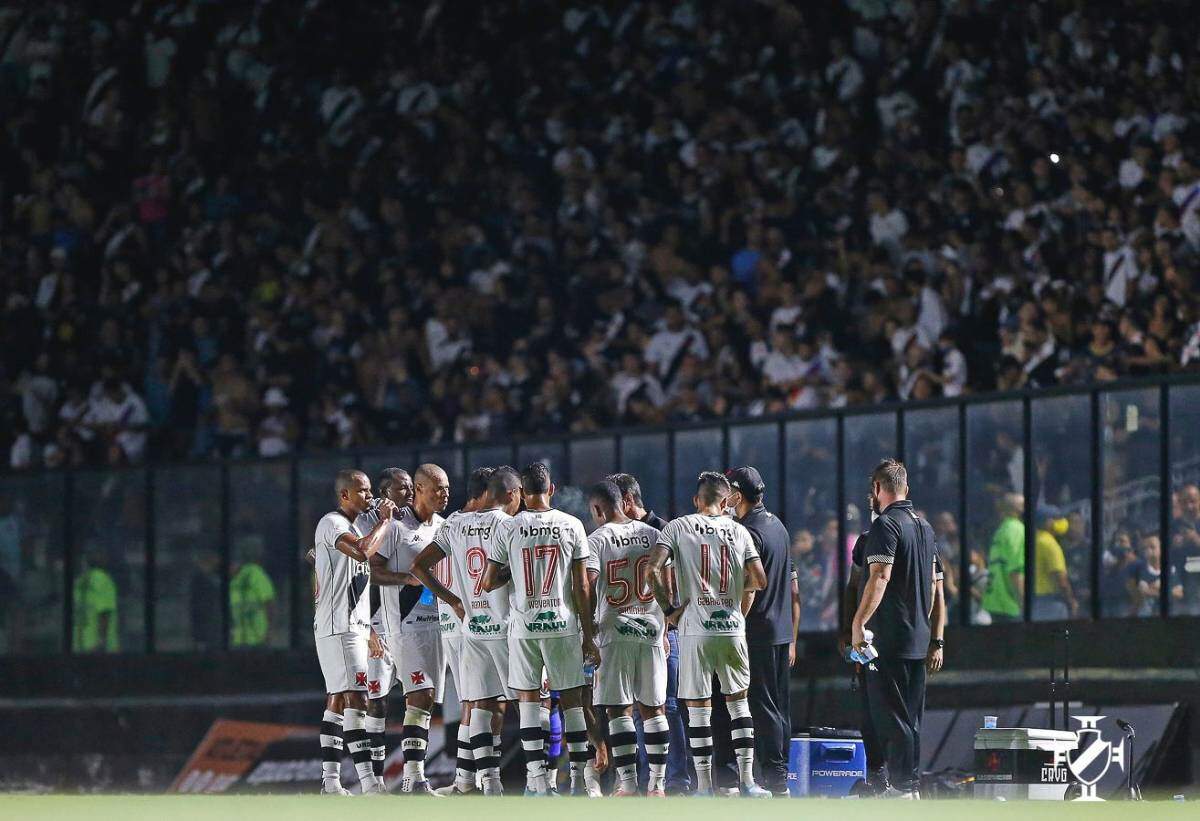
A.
pixel 876 780
pixel 896 605
pixel 771 626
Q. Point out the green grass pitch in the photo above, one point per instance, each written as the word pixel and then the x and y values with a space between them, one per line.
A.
pixel 321 808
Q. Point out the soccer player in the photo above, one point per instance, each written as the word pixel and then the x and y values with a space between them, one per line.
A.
pixel 396 485
pixel 717 569
pixel 414 638
pixel 465 540
pixel 341 625
pixel 436 572
pixel 544 551
pixel 630 633
pixel 679 780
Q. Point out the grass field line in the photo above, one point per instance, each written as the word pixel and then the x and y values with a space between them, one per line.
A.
pixel 321 808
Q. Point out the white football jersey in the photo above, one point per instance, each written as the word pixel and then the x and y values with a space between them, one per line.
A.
pixel 406 537
pixel 540 548
pixel 343 585
pixel 710 554
pixel 626 610
pixel 466 539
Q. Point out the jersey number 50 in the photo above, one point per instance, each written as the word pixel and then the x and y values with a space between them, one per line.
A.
pixel 615 581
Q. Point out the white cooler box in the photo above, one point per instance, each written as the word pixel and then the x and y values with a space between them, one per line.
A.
pixel 1018 762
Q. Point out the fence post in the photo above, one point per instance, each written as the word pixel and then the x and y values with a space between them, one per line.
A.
pixel 964 549
pixel 1030 492
pixel 1097 502
pixel 151 561
pixel 226 558
pixel 840 492
pixel 68 557
pixel 1164 501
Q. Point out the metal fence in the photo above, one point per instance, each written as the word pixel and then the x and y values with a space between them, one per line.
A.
pixel 200 557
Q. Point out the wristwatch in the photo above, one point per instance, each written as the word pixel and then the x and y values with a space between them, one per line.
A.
pixel 938 643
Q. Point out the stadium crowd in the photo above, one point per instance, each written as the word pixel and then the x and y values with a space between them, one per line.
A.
pixel 546 217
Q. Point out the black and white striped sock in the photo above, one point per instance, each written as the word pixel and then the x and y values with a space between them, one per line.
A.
pixel 741 728
pixel 414 742
pixel 331 749
pixel 486 754
pixel 375 726
pixel 622 740
pixel 533 742
pixel 464 768
pixel 657 733
pixel 359 747
pixel 700 740
pixel 575 733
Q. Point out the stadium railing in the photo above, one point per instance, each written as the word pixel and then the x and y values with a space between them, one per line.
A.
pixel 208 556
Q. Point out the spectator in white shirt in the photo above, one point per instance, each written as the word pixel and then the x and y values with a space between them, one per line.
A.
pixel 1132 171
pixel 118 417
pixel 843 72
pixel 633 378
pixel 573 158
pixel 1120 272
pixel 894 105
pixel 888 225
pixel 953 372
pixel 790 309
pixel 687 285
pixel 666 348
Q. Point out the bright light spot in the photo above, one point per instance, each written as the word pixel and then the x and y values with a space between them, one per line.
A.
pixel 1054 158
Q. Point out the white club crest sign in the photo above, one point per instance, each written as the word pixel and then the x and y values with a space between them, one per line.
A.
pixel 1091 758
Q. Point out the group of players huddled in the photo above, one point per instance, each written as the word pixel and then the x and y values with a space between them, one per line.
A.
pixel 515 600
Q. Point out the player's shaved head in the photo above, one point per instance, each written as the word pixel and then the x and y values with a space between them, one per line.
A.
pixel 711 488
pixel 607 495
pixel 535 479
pixel 352 489
pixel 477 483
pixel 503 480
pixel 348 479
pixel 430 473
pixel 431 491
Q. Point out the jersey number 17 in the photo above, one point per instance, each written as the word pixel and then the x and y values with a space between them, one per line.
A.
pixel 546 556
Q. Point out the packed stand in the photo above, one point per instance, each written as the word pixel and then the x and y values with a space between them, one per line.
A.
pixel 261 228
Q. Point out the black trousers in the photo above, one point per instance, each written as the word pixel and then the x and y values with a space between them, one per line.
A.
pixel 771 708
pixel 876 759
pixel 896 695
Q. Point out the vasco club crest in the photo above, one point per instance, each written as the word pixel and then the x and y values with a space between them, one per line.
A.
pixel 1091 758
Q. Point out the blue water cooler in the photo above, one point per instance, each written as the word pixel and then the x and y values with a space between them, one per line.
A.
pixel 825 762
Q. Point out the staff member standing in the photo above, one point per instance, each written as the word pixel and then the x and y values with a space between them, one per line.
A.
pixel 771 627
pixel 897 603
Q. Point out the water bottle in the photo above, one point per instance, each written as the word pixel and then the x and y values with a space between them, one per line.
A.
pixel 867 653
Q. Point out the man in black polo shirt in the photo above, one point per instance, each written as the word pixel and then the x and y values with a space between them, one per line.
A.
pixel 771 627
pixel 896 605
